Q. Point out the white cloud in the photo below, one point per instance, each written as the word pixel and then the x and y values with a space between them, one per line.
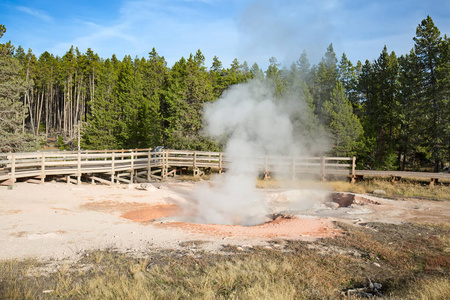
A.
pixel 175 30
pixel 35 13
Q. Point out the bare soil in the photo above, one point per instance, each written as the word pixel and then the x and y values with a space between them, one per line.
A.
pixel 55 220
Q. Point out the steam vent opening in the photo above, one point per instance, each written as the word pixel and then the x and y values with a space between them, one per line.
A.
pixel 284 221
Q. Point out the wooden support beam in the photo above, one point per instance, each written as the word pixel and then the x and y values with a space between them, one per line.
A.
pixel 132 167
pixel 149 165
pixel 13 168
pixel 32 180
pixel 118 178
pixel 43 168
pixel 7 182
pixel 98 179
pixel 353 168
pixel 113 161
pixel 322 165
pixel 171 172
pixel 79 168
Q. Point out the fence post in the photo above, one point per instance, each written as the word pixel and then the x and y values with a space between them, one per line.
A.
pixel 194 164
pixel 353 169
pixel 220 163
pixel 132 166
pixel 322 164
pixel 13 167
pixel 266 167
pixel 113 161
pixel 79 168
pixel 164 166
pixel 149 167
pixel 43 168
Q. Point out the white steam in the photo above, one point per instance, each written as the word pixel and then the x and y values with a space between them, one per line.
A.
pixel 253 123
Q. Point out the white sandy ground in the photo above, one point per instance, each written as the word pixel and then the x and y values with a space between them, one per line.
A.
pixel 55 220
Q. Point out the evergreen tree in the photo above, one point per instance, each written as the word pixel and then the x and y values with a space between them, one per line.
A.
pixel 217 77
pixel 274 75
pixel 428 46
pixel 343 124
pixel 380 118
pixel 324 78
pixel 12 113
pixel 410 140
pixel 155 80
pixel 100 132
pixel 347 76
pixel 256 72
pixel 304 66
pixel 189 88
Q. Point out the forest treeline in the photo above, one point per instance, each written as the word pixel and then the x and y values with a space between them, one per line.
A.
pixel 392 113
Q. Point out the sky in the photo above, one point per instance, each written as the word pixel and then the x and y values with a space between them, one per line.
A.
pixel 249 30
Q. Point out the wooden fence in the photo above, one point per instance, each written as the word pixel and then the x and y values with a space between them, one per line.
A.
pixel 143 165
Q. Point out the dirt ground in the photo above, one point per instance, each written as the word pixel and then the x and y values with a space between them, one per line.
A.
pixel 61 221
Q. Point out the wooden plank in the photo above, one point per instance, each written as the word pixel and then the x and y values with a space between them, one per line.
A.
pixel 13 167
pixel 122 179
pixel 32 180
pixel 98 179
pixel 7 182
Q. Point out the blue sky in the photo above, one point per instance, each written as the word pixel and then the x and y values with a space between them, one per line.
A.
pixel 244 29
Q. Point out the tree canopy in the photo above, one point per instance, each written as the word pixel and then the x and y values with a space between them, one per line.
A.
pixel 392 113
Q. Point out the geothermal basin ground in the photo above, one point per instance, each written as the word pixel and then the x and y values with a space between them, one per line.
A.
pixel 62 221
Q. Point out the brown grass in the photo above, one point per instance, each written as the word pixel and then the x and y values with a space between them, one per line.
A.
pixel 410 261
pixel 403 189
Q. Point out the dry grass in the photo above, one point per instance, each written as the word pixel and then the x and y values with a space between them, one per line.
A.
pixel 410 261
pixel 403 189
pixel 430 289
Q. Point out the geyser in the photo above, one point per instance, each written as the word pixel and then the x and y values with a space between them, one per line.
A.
pixel 252 122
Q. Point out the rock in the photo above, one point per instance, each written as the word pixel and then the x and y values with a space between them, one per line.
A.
pixel 379 192
pixel 146 187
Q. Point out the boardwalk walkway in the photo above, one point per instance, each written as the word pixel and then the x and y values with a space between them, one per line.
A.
pixel 143 165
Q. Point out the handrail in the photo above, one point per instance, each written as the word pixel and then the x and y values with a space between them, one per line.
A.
pixel 74 163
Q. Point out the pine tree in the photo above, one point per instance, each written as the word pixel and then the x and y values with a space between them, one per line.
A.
pixel 380 117
pixel 274 75
pixel 304 66
pixel 12 112
pixel 343 124
pixel 189 88
pixel 324 78
pixel 155 80
pixel 428 50
pixel 101 129
pixel 347 76
pixel 410 139
pixel 256 72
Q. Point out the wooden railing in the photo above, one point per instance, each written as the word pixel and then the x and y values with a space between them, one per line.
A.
pixel 131 165
pixel 38 165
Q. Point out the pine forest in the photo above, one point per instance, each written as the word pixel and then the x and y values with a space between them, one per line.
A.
pixel 392 113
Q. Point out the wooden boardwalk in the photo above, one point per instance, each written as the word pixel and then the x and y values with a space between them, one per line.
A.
pixel 143 165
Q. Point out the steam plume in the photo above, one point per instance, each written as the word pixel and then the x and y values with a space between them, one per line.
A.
pixel 253 123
